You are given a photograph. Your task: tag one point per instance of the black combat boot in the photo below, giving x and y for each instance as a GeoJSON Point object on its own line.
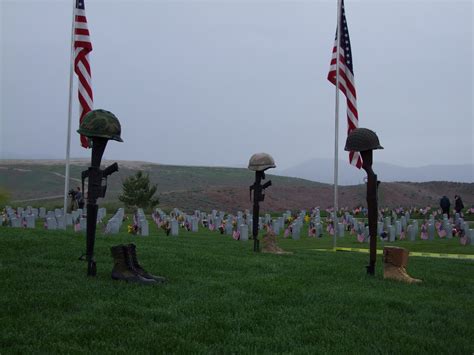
{"type": "Point", "coordinates": [123, 267]}
{"type": "Point", "coordinates": [132, 251]}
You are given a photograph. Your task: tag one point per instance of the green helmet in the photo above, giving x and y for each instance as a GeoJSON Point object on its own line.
{"type": "Point", "coordinates": [100, 123]}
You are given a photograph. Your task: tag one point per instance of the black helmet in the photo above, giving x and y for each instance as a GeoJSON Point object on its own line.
{"type": "Point", "coordinates": [361, 139]}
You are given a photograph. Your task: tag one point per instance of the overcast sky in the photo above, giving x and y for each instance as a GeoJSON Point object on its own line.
{"type": "Point", "coordinates": [212, 82]}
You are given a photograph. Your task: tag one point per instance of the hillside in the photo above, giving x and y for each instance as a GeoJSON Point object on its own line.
{"type": "Point", "coordinates": [190, 188]}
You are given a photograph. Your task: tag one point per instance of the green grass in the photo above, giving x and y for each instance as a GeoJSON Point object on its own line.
{"type": "Point", "coordinates": [224, 298]}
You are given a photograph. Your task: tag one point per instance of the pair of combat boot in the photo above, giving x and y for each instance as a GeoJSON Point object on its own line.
{"type": "Point", "coordinates": [127, 268]}
{"type": "Point", "coordinates": [395, 263]}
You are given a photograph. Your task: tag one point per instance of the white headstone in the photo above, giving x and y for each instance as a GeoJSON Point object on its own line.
{"type": "Point", "coordinates": [431, 231]}
{"type": "Point", "coordinates": [174, 227]}
{"type": "Point", "coordinates": [194, 224]}
{"type": "Point", "coordinates": [144, 228]}
{"type": "Point", "coordinates": [340, 230]}
{"type": "Point", "coordinates": [379, 228]}
{"type": "Point", "coordinates": [113, 226]}
{"type": "Point", "coordinates": [228, 226]}
{"type": "Point", "coordinates": [42, 212]}
{"type": "Point", "coordinates": [15, 222]}
{"type": "Point", "coordinates": [83, 223]}
{"type": "Point", "coordinates": [58, 213]}
{"type": "Point", "coordinates": [68, 219]}
{"type": "Point", "coordinates": [391, 233]}
{"type": "Point", "coordinates": [276, 227]}
{"type": "Point", "coordinates": [30, 221]}
{"type": "Point", "coordinates": [449, 230]}
{"type": "Point", "coordinates": [403, 221]}
{"type": "Point", "coordinates": [51, 223]}
{"type": "Point", "coordinates": [398, 228]}
{"type": "Point", "coordinates": [60, 222]}
{"type": "Point", "coordinates": [411, 233]}
{"type": "Point", "coordinates": [295, 233]}
{"type": "Point", "coordinates": [244, 232]}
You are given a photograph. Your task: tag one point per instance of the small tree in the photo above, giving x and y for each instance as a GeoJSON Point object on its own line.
{"type": "Point", "coordinates": [137, 192]}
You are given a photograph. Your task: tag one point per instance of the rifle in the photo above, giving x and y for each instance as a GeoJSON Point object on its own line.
{"type": "Point", "coordinates": [372, 205]}
{"type": "Point", "coordinates": [95, 190]}
{"type": "Point", "coordinates": [258, 195]}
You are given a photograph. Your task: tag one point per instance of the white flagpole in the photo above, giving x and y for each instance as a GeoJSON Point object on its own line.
{"type": "Point", "coordinates": [68, 135]}
{"type": "Point", "coordinates": [336, 125]}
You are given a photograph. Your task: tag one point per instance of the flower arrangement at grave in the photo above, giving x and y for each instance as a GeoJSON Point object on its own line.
{"type": "Point", "coordinates": [440, 229]}
{"type": "Point", "coordinates": [4, 218]}
{"type": "Point", "coordinates": [212, 227]}
{"type": "Point", "coordinates": [222, 228]}
{"type": "Point", "coordinates": [424, 231]}
{"type": "Point", "coordinates": [166, 227]}
{"type": "Point", "coordinates": [156, 218]}
{"type": "Point", "coordinates": [236, 234]}
{"type": "Point", "coordinates": [330, 226]}
{"type": "Point", "coordinates": [133, 229]}
{"type": "Point", "coordinates": [187, 226]}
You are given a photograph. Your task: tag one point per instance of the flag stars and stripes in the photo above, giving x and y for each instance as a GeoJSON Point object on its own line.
{"type": "Point", "coordinates": [346, 79]}
{"type": "Point", "coordinates": [82, 47]}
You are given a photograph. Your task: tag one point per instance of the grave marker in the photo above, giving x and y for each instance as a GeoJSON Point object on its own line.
{"type": "Point", "coordinates": [244, 232]}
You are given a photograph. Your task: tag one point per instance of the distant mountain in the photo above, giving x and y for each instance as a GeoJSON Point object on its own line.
{"type": "Point", "coordinates": [322, 170]}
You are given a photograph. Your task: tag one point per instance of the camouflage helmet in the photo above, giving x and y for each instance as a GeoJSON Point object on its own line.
{"type": "Point", "coordinates": [261, 162]}
{"type": "Point", "coordinates": [100, 123]}
{"type": "Point", "coordinates": [361, 139]}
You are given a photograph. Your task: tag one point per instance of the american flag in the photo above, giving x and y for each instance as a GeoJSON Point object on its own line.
{"type": "Point", "coordinates": [82, 47]}
{"type": "Point", "coordinates": [346, 80]}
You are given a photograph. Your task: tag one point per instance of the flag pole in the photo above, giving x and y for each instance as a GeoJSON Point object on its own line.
{"type": "Point", "coordinates": [336, 124]}
{"type": "Point", "coordinates": [68, 135]}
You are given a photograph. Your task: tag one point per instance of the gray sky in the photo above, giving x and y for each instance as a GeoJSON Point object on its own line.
{"type": "Point", "coordinates": [212, 82]}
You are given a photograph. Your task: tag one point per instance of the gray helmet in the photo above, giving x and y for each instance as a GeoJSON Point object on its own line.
{"type": "Point", "coordinates": [100, 123]}
{"type": "Point", "coordinates": [261, 162]}
{"type": "Point", "coordinates": [361, 139]}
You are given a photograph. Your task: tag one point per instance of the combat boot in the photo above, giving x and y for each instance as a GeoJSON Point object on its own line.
{"type": "Point", "coordinates": [123, 267]}
{"type": "Point", "coordinates": [395, 262]}
{"type": "Point", "coordinates": [132, 252]}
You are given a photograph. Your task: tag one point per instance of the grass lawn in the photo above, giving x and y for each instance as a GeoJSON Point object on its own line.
{"type": "Point", "coordinates": [224, 298]}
